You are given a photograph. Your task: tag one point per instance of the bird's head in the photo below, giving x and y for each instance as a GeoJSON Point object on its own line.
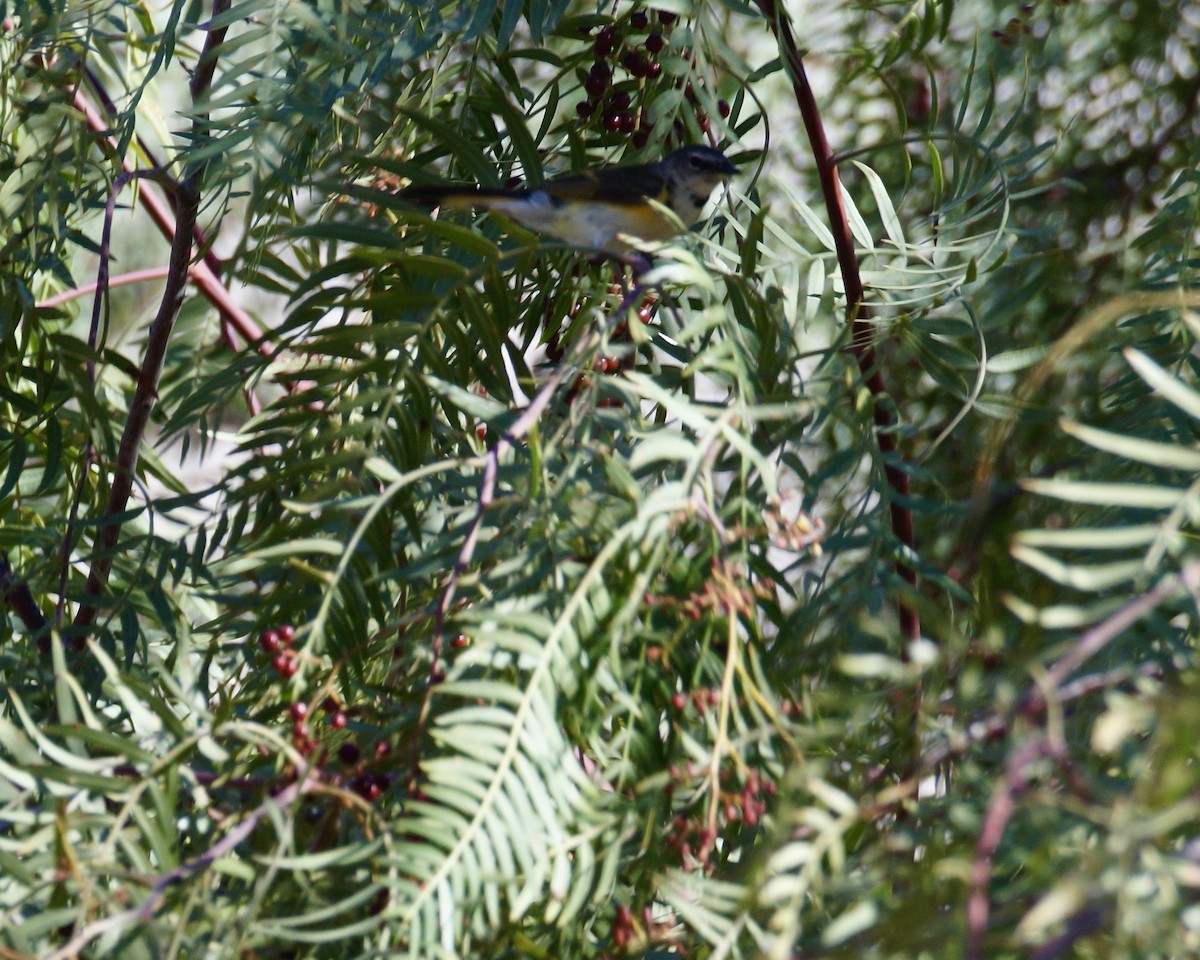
{"type": "Point", "coordinates": [704, 167]}
{"type": "Point", "coordinates": [691, 175]}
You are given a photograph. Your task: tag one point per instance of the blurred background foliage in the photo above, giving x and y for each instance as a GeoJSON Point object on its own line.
{"type": "Point", "coordinates": [662, 706]}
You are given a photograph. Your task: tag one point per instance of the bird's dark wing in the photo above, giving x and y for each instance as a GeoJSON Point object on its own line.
{"type": "Point", "coordinates": [620, 185]}
{"type": "Point", "coordinates": [455, 194]}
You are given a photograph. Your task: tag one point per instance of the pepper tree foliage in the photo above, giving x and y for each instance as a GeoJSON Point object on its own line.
{"type": "Point", "coordinates": [527, 608]}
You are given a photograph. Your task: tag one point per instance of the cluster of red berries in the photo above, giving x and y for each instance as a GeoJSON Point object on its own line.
{"type": "Point", "coordinates": [301, 714]}
{"type": "Point", "coordinates": [363, 775]}
{"type": "Point", "coordinates": [695, 840]}
{"type": "Point", "coordinates": [367, 782]}
{"type": "Point", "coordinates": [277, 643]}
{"type": "Point", "coordinates": [612, 45]}
{"type": "Point", "coordinates": [612, 99]}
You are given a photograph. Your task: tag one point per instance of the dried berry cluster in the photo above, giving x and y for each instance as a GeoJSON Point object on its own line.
{"type": "Point", "coordinates": [728, 591]}
{"type": "Point", "coordinates": [705, 698]}
{"type": "Point", "coordinates": [1020, 26]}
{"type": "Point", "coordinates": [632, 46]}
{"type": "Point", "coordinates": [695, 839]}
{"type": "Point", "coordinates": [636, 934]}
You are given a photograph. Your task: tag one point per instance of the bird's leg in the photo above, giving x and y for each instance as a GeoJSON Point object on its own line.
{"type": "Point", "coordinates": [639, 263]}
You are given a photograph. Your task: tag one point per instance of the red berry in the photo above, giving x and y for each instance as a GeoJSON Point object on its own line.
{"type": "Point", "coordinates": [666, 18]}
{"type": "Point", "coordinates": [290, 668]}
{"type": "Point", "coordinates": [641, 138]}
{"type": "Point", "coordinates": [620, 100]}
{"type": "Point", "coordinates": [382, 749]}
{"type": "Point", "coordinates": [638, 20]}
{"type": "Point", "coordinates": [348, 754]}
{"type": "Point", "coordinates": [338, 721]}
{"type": "Point", "coordinates": [655, 43]}
{"type": "Point", "coordinates": [585, 108]}
{"type": "Point", "coordinates": [299, 730]}
{"type": "Point", "coordinates": [281, 662]}
{"type": "Point", "coordinates": [595, 84]}
{"type": "Point", "coordinates": [653, 69]}
{"type": "Point", "coordinates": [679, 700]}
{"type": "Point", "coordinates": [689, 91]}
{"type": "Point", "coordinates": [287, 633]}
{"type": "Point", "coordinates": [723, 108]}
{"type": "Point", "coordinates": [605, 41]}
{"type": "Point", "coordinates": [614, 121]}
{"type": "Point", "coordinates": [299, 710]}
{"type": "Point", "coordinates": [635, 63]}
{"type": "Point", "coordinates": [270, 641]}
{"type": "Point", "coordinates": [461, 641]}
{"type": "Point", "coordinates": [373, 790]}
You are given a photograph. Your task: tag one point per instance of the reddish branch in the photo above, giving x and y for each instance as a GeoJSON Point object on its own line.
{"type": "Point", "coordinates": [121, 280]}
{"type": "Point", "coordinates": [124, 470]}
{"type": "Point", "coordinates": [862, 339]}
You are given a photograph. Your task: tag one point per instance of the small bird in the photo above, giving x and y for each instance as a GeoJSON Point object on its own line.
{"type": "Point", "coordinates": [595, 209]}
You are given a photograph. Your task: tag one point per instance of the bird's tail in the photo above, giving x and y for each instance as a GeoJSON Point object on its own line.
{"type": "Point", "coordinates": [457, 197]}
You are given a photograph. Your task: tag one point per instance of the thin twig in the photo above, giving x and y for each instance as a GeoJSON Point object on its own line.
{"type": "Point", "coordinates": [1078, 925]}
{"type": "Point", "coordinates": [18, 598]}
{"type": "Point", "coordinates": [121, 280]}
{"type": "Point", "coordinates": [209, 257]}
{"type": "Point", "coordinates": [521, 426]}
{"type": "Point", "coordinates": [1003, 801]}
{"type": "Point", "coordinates": [1098, 637]}
{"type": "Point", "coordinates": [999, 812]}
{"type": "Point", "coordinates": [99, 304]}
{"type": "Point", "coordinates": [144, 912]}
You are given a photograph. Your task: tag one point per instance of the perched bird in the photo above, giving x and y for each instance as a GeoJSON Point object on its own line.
{"type": "Point", "coordinates": [594, 209]}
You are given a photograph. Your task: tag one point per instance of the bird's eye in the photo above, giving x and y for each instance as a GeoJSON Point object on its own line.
{"type": "Point", "coordinates": [696, 162]}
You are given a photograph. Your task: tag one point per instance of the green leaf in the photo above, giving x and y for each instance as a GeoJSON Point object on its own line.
{"type": "Point", "coordinates": [1139, 496]}
{"type": "Point", "coordinates": [1172, 389]}
{"type": "Point", "coordinates": [1152, 452]}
